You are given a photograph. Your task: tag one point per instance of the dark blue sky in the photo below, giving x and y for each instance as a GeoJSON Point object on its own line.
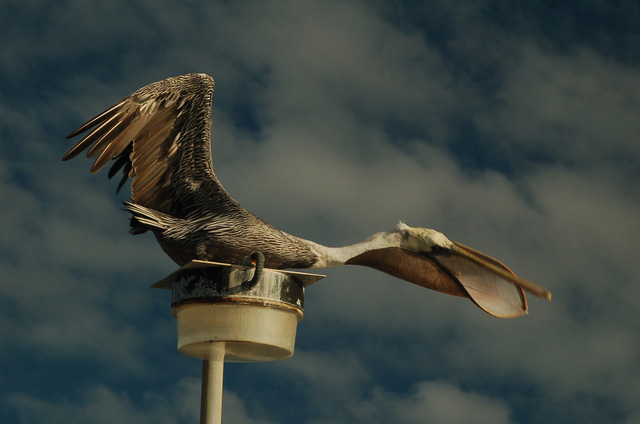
{"type": "Point", "coordinates": [512, 128]}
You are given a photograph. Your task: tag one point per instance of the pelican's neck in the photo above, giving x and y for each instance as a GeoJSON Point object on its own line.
{"type": "Point", "coordinates": [336, 256]}
{"type": "Point", "coordinates": [405, 237]}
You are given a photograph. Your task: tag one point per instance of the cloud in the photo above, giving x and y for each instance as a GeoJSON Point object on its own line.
{"type": "Point", "coordinates": [441, 402]}
{"type": "Point", "coordinates": [568, 107]}
{"type": "Point", "coordinates": [332, 120]}
{"type": "Point", "coordinates": [100, 404]}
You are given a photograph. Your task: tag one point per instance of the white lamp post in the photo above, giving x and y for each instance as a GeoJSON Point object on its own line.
{"type": "Point", "coordinates": [234, 313]}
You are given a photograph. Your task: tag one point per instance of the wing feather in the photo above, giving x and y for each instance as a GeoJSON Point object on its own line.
{"type": "Point", "coordinates": [145, 192]}
{"type": "Point", "coordinates": [104, 116]}
{"type": "Point", "coordinates": [122, 140]}
{"type": "Point", "coordinates": [154, 135]}
{"type": "Point", "coordinates": [105, 146]}
{"type": "Point", "coordinates": [103, 127]}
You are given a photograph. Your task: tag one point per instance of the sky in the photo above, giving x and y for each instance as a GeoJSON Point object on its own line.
{"type": "Point", "coordinates": [511, 127]}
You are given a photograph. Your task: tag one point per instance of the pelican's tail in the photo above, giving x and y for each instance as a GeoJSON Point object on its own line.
{"type": "Point", "coordinates": [144, 219]}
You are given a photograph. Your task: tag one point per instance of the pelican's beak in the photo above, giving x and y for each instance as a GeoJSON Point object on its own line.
{"type": "Point", "coordinates": [494, 266]}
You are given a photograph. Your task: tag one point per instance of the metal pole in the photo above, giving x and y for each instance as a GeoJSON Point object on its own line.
{"type": "Point", "coordinates": [211, 399]}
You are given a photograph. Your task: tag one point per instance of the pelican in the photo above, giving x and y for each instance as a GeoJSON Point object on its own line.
{"type": "Point", "coordinates": [160, 137]}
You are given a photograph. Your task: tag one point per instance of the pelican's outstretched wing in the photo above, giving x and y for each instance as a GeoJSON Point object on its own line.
{"type": "Point", "coordinates": [160, 136]}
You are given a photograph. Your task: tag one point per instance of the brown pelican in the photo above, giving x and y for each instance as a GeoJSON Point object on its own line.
{"type": "Point", "coordinates": [159, 136]}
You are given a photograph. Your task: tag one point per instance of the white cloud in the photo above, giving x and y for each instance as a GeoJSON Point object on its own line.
{"type": "Point", "coordinates": [338, 373]}
{"type": "Point", "coordinates": [442, 402]}
{"type": "Point", "coordinates": [577, 107]}
{"type": "Point", "coordinates": [102, 404]}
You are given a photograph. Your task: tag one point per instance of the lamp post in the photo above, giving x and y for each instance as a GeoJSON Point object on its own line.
{"type": "Point", "coordinates": [234, 313]}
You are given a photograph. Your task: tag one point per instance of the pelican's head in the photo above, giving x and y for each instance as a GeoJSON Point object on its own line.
{"type": "Point", "coordinates": [422, 239]}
